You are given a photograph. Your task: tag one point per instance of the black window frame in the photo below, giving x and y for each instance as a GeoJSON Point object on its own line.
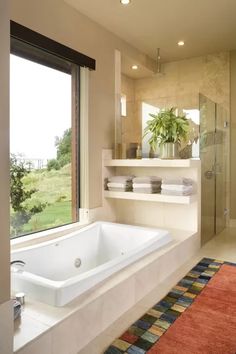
{"type": "Point", "coordinates": [46, 44]}
{"type": "Point", "coordinates": [35, 47]}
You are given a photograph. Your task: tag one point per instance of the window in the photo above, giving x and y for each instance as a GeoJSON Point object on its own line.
{"type": "Point", "coordinates": [123, 105]}
{"type": "Point", "coordinates": [44, 132]}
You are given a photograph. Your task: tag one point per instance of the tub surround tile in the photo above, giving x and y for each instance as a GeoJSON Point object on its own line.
{"type": "Point", "coordinates": [117, 301]}
{"type": "Point", "coordinates": [113, 331]}
{"type": "Point", "coordinates": [98, 345]}
{"type": "Point", "coordinates": [89, 322]}
{"type": "Point", "coordinates": [41, 345]}
{"type": "Point", "coordinates": [75, 325]}
{"type": "Point", "coordinates": [78, 329]}
{"type": "Point", "coordinates": [64, 336]}
{"type": "Point", "coordinates": [27, 329]}
{"type": "Point", "coordinates": [145, 280]}
{"type": "Point", "coordinates": [141, 307]}
{"type": "Point", "coordinates": [45, 314]}
{"type": "Point", "coordinates": [160, 268]}
{"type": "Point", "coordinates": [124, 322]}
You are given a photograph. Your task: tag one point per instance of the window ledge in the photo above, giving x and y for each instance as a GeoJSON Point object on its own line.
{"type": "Point", "coordinates": [46, 235]}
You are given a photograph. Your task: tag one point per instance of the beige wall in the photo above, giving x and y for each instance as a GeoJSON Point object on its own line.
{"type": "Point", "coordinates": [4, 153]}
{"type": "Point", "coordinates": [62, 23]}
{"type": "Point", "coordinates": [208, 75]}
{"type": "Point", "coordinates": [233, 136]}
{"type": "Point", "coordinates": [179, 86]}
{"type": "Point", "coordinates": [182, 81]}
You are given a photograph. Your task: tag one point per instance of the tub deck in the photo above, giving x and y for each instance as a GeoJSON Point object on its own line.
{"type": "Point", "coordinates": [56, 272]}
{"type": "Point", "coordinates": [83, 319]}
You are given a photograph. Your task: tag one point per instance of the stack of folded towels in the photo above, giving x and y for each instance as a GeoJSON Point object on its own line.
{"type": "Point", "coordinates": [150, 184]}
{"type": "Point", "coordinates": [177, 186]}
{"type": "Point", "coordinates": [120, 183]}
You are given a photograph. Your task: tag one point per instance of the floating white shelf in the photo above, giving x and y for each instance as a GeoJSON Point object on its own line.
{"type": "Point", "coordinates": [151, 197]}
{"type": "Point", "coordinates": [151, 163]}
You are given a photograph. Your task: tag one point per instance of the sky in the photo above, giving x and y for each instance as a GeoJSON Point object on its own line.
{"type": "Point", "coordinates": [40, 108]}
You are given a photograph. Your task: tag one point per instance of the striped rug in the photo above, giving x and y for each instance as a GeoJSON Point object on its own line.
{"type": "Point", "coordinates": [198, 316]}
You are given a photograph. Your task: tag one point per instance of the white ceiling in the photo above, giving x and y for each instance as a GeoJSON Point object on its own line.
{"type": "Point", "coordinates": [126, 68]}
{"type": "Point", "coordinates": [206, 26]}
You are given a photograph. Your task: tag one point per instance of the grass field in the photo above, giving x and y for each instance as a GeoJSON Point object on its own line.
{"type": "Point", "coordinates": [54, 188]}
{"type": "Point", "coordinates": [53, 215]}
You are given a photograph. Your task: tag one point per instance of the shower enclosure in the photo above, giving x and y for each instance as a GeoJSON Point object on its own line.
{"type": "Point", "coordinates": [213, 154]}
{"type": "Point", "coordinates": [209, 140]}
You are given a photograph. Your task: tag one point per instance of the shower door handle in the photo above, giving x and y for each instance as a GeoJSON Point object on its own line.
{"type": "Point", "coordinates": [209, 174]}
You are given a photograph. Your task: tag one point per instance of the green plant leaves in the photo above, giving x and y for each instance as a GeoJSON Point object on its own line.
{"type": "Point", "coordinates": [166, 127]}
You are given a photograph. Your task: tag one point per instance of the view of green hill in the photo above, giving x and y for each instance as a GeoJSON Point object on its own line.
{"type": "Point", "coordinates": [41, 198]}
{"type": "Point", "coordinates": [54, 188]}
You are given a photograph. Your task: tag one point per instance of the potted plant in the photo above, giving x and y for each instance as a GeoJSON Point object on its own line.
{"type": "Point", "coordinates": [167, 130]}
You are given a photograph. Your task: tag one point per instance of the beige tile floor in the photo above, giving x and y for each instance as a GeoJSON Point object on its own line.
{"type": "Point", "coordinates": [222, 246]}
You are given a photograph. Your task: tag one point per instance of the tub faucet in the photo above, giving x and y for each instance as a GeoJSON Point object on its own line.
{"type": "Point", "coordinates": [16, 265]}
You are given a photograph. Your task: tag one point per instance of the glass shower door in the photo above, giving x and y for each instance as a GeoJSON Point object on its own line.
{"type": "Point", "coordinates": [214, 161]}
{"type": "Point", "coordinates": [220, 168]}
{"type": "Point", "coordinates": [207, 155]}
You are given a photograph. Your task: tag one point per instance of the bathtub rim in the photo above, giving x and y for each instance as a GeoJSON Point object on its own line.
{"type": "Point", "coordinates": [58, 284]}
{"type": "Point", "coordinates": [80, 230]}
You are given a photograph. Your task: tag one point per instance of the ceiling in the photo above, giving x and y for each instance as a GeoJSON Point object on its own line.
{"type": "Point", "coordinates": [126, 68]}
{"type": "Point", "coordinates": [206, 26]}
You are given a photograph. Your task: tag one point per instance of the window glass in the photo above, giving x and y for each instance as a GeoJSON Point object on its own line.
{"type": "Point", "coordinates": [123, 104]}
{"type": "Point", "coordinates": [41, 141]}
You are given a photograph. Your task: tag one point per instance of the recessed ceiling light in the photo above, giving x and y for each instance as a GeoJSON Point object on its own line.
{"type": "Point", "coordinates": [135, 67]}
{"type": "Point", "coordinates": [125, 2]}
{"type": "Point", "coordinates": [180, 43]}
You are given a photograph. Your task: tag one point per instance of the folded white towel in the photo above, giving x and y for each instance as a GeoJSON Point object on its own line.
{"type": "Point", "coordinates": [146, 179]}
{"type": "Point", "coordinates": [183, 190]}
{"type": "Point", "coordinates": [176, 187]}
{"type": "Point", "coordinates": [146, 185]}
{"type": "Point", "coordinates": [119, 185]}
{"type": "Point", "coordinates": [119, 189]}
{"type": "Point", "coordinates": [179, 193]}
{"type": "Point", "coordinates": [178, 180]}
{"type": "Point", "coordinates": [120, 179]}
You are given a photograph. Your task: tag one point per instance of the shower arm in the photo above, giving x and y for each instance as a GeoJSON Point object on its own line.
{"type": "Point", "coordinates": [158, 61]}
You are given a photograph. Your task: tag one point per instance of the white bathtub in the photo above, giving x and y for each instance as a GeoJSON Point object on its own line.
{"type": "Point", "coordinates": [53, 273]}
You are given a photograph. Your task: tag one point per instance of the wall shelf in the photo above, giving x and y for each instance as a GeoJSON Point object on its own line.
{"type": "Point", "coordinates": [156, 210]}
{"type": "Point", "coordinates": [160, 198]}
{"type": "Point", "coordinates": [182, 163]}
